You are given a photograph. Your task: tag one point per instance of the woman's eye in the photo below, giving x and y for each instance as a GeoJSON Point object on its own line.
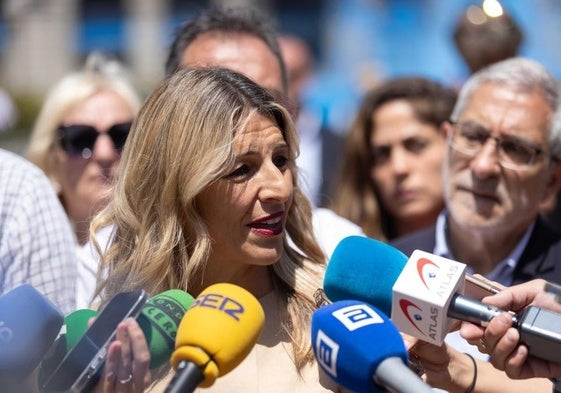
{"type": "Point", "coordinates": [239, 171]}
{"type": "Point", "coordinates": [415, 145]}
{"type": "Point", "coordinates": [381, 155]}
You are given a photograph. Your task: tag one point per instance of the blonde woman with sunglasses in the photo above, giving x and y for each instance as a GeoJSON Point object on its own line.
{"type": "Point", "coordinates": [79, 134]}
{"type": "Point", "coordinates": [77, 141]}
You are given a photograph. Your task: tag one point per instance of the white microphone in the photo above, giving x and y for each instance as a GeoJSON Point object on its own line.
{"type": "Point", "coordinates": [424, 292]}
{"type": "Point", "coordinates": [428, 295]}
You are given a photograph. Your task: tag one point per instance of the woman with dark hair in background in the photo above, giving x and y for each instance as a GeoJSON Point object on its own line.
{"type": "Point", "coordinates": [389, 181]}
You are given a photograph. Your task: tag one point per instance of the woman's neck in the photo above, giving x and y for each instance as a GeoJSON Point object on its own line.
{"type": "Point", "coordinates": [256, 279]}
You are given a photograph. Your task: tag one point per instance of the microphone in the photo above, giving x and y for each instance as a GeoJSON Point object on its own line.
{"type": "Point", "coordinates": [361, 349]}
{"type": "Point", "coordinates": [75, 350]}
{"type": "Point", "coordinates": [214, 336]}
{"type": "Point", "coordinates": [363, 269]}
{"type": "Point", "coordinates": [74, 326]}
{"type": "Point", "coordinates": [424, 292]}
{"type": "Point", "coordinates": [160, 319]}
{"type": "Point", "coordinates": [29, 324]}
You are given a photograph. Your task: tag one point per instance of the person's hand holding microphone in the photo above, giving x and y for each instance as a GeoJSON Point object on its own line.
{"type": "Point", "coordinates": [502, 341]}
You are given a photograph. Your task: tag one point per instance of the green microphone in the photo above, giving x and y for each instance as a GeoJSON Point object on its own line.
{"type": "Point", "coordinates": [73, 328]}
{"type": "Point", "coordinates": [75, 325]}
{"type": "Point", "coordinates": [159, 321]}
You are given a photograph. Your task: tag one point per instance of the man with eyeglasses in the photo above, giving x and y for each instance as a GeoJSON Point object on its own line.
{"type": "Point", "coordinates": [501, 168]}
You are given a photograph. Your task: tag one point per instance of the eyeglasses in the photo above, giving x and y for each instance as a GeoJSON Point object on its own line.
{"type": "Point", "coordinates": [469, 138]}
{"type": "Point", "coordinates": [79, 139]}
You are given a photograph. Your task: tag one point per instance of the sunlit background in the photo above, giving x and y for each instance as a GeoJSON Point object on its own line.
{"type": "Point", "coordinates": [356, 43]}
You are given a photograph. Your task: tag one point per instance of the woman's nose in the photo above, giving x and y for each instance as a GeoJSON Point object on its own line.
{"type": "Point", "coordinates": [104, 148]}
{"type": "Point", "coordinates": [277, 184]}
{"type": "Point", "coordinates": [399, 161]}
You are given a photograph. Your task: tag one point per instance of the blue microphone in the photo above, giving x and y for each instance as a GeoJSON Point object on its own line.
{"type": "Point", "coordinates": [363, 269]}
{"type": "Point", "coordinates": [29, 324]}
{"type": "Point", "coordinates": [361, 349]}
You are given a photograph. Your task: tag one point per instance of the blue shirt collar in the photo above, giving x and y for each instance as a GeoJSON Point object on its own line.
{"type": "Point", "coordinates": [503, 271]}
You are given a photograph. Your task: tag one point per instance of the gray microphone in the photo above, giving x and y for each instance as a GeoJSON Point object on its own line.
{"type": "Point", "coordinates": [540, 329]}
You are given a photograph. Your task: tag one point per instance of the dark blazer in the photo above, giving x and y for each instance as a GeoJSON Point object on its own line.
{"type": "Point", "coordinates": [331, 151]}
{"type": "Point", "coordinates": [541, 257]}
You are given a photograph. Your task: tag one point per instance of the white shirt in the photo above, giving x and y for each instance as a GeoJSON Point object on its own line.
{"type": "Point", "coordinates": [309, 161]}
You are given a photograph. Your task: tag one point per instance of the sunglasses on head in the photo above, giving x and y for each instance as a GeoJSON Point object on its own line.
{"type": "Point", "coordinates": [79, 139]}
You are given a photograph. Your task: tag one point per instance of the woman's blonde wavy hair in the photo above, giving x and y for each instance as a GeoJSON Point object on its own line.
{"type": "Point", "coordinates": [182, 142]}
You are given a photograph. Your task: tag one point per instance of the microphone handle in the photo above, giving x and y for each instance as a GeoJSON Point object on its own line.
{"type": "Point", "coordinates": [186, 379]}
{"type": "Point", "coordinates": [470, 310]}
{"type": "Point", "coordinates": [393, 374]}
{"type": "Point", "coordinates": [540, 331]}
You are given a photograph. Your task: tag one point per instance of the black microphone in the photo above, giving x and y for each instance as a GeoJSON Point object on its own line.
{"type": "Point", "coordinates": [75, 354]}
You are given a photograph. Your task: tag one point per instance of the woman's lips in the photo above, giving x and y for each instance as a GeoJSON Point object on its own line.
{"type": "Point", "coordinates": [268, 226]}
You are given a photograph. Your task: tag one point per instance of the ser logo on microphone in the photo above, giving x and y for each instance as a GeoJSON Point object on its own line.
{"type": "Point", "coordinates": [220, 302]}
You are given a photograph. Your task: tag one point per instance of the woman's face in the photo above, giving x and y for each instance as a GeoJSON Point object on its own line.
{"type": "Point", "coordinates": [85, 179]}
{"type": "Point", "coordinates": [246, 211]}
{"type": "Point", "coordinates": [408, 156]}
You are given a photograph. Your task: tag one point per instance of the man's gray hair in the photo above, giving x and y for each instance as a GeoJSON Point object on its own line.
{"type": "Point", "coordinates": [526, 76]}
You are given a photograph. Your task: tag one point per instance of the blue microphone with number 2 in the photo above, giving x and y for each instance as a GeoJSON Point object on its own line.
{"type": "Point", "coordinates": [361, 349]}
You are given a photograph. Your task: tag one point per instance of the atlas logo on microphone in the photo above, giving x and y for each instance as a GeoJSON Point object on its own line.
{"type": "Point", "coordinates": [422, 293]}
{"type": "Point", "coordinates": [414, 315]}
{"type": "Point", "coordinates": [435, 279]}
{"type": "Point", "coordinates": [424, 266]}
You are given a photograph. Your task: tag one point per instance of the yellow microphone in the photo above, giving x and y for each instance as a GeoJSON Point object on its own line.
{"type": "Point", "coordinates": [214, 336]}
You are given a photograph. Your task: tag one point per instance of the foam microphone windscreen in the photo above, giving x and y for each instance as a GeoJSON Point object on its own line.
{"type": "Point", "coordinates": [364, 269]}
{"type": "Point", "coordinates": [351, 339]}
{"type": "Point", "coordinates": [159, 320]}
{"type": "Point", "coordinates": [74, 326]}
{"type": "Point", "coordinates": [219, 330]}
{"type": "Point", "coordinates": [29, 324]}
